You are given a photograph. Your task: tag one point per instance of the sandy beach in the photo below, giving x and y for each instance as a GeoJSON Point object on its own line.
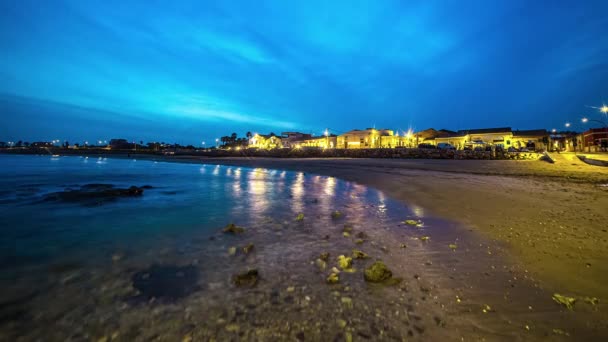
{"type": "Point", "coordinates": [551, 218]}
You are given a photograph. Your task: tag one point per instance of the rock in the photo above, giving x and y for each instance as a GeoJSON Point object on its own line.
{"type": "Point", "coordinates": [321, 264]}
{"type": "Point", "coordinates": [403, 245]}
{"type": "Point", "coordinates": [231, 251]}
{"type": "Point", "coordinates": [336, 215]}
{"type": "Point", "coordinates": [333, 278]}
{"type": "Point", "coordinates": [591, 300]}
{"type": "Point", "coordinates": [345, 262]}
{"type": "Point", "coordinates": [300, 217]}
{"type": "Point", "coordinates": [568, 302]}
{"type": "Point", "coordinates": [324, 256]}
{"type": "Point", "coordinates": [231, 228]}
{"type": "Point", "coordinates": [93, 194]}
{"type": "Point", "coordinates": [347, 301]}
{"type": "Point", "coordinates": [341, 323]}
{"type": "Point", "coordinates": [335, 270]}
{"type": "Point", "coordinates": [248, 248]}
{"type": "Point", "coordinates": [357, 254]}
{"type": "Point", "coordinates": [453, 246]}
{"type": "Point", "coordinates": [246, 279]}
{"type": "Point", "coordinates": [359, 241]}
{"type": "Point", "coordinates": [232, 327]}
{"type": "Point", "coordinates": [377, 273]}
{"type": "Point", "coordinates": [348, 228]}
{"type": "Point", "coordinates": [291, 289]}
{"type": "Point", "coordinates": [416, 223]}
{"type": "Point", "coordinates": [424, 238]}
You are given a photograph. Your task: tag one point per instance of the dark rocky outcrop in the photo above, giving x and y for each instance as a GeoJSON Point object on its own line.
{"type": "Point", "coordinates": [93, 194]}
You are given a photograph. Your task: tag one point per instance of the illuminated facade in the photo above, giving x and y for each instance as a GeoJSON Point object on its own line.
{"type": "Point", "coordinates": [367, 138]}
{"type": "Point", "coordinates": [265, 141]}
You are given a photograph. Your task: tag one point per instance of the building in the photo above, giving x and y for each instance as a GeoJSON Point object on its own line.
{"type": "Point", "coordinates": [505, 137]}
{"type": "Point", "coordinates": [532, 139]}
{"type": "Point", "coordinates": [266, 141]}
{"type": "Point", "coordinates": [329, 141]}
{"type": "Point", "coordinates": [366, 138]}
{"type": "Point", "coordinates": [594, 140]}
{"type": "Point", "coordinates": [292, 139]}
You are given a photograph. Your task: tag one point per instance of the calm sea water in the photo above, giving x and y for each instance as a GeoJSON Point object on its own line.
{"type": "Point", "coordinates": [158, 267]}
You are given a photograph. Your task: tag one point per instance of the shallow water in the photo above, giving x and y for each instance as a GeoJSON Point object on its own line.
{"type": "Point", "coordinates": [159, 267]}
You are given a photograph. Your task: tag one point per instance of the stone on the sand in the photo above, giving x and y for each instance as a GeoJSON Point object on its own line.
{"type": "Point", "coordinates": [345, 262]}
{"type": "Point", "coordinates": [300, 217]}
{"type": "Point", "coordinates": [321, 264]}
{"type": "Point", "coordinates": [248, 248]}
{"type": "Point", "coordinates": [357, 254]}
{"type": "Point", "coordinates": [348, 228]}
{"type": "Point", "coordinates": [333, 278]}
{"type": "Point", "coordinates": [336, 215]}
{"type": "Point", "coordinates": [232, 251]}
{"type": "Point", "coordinates": [377, 273]}
{"type": "Point", "coordinates": [246, 279]}
{"type": "Point", "coordinates": [324, 256]}
{"type": "Point", "coordinates": [568, 302]}
{"type": "Point", "coordinates": [231, 228]}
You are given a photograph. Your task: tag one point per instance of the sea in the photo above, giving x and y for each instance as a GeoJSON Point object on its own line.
{"type": "Point", "coordinates": [161, 265]}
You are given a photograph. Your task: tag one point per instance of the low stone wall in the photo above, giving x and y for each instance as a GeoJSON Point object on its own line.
{"type": "Point", "coordinates": [401, 153]}
{"type": "Point", "coordinates": [309, 152]}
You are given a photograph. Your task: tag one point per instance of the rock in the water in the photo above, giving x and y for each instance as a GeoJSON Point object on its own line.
{"type": "Point", "coordinates": [377, 273]}
{"type": "Point", "coordinates": [93, 194]}
{"type": "Point", "coordinates": [231, 228]}
{"type": "Point", "coordinates": [166, 283]}
{"type": "Point", "coordinates": [324, 256]}
{"type": "Point", "coordinates": [247, 279]}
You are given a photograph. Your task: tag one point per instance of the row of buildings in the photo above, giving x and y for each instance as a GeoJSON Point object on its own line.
{"type": "Point", "coordinates": [503, 137]}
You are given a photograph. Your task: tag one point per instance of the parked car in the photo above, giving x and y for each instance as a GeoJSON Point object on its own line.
{"type": "Point", "coordinates": [427, 146]}
{"type": "Point", "coordinates": [445, 146]}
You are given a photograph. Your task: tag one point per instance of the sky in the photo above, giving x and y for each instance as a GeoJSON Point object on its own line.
{"type": "Point", "coordinates": [192, 71]}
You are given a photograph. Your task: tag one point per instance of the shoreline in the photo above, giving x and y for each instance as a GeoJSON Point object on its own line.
{"type": "Point", "coordinates": [551, 219]}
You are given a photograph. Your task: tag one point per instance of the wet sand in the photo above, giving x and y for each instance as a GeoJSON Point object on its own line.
{"type": "Point", "coordinates": [553, 218]}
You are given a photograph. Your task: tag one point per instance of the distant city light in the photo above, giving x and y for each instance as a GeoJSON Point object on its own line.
{"type": "Point", "coordinates": [604, 109]}
{"type": "Point", "coordinates": [584, 120]}
{"type": "Point", "coordinates": [553, 130]}
{"type": "Point", "coordinates": [567, 124]}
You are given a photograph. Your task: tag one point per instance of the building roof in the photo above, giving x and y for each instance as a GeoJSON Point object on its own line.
{"type": "Point", "coordinates": [530, 133]}
{"type": "Point", "coordinates": [485, 130]}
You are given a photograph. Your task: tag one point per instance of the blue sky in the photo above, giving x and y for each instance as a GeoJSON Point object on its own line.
{"type": "Point", "coordinates": [188, 71]}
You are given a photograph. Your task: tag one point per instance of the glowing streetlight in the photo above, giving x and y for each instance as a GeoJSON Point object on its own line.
{"type": "Point", "coordinates": [553, 130]}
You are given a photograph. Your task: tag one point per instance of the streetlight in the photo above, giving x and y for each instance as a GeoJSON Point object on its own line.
{"type": "Point", "coordinates": [553, 130]}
